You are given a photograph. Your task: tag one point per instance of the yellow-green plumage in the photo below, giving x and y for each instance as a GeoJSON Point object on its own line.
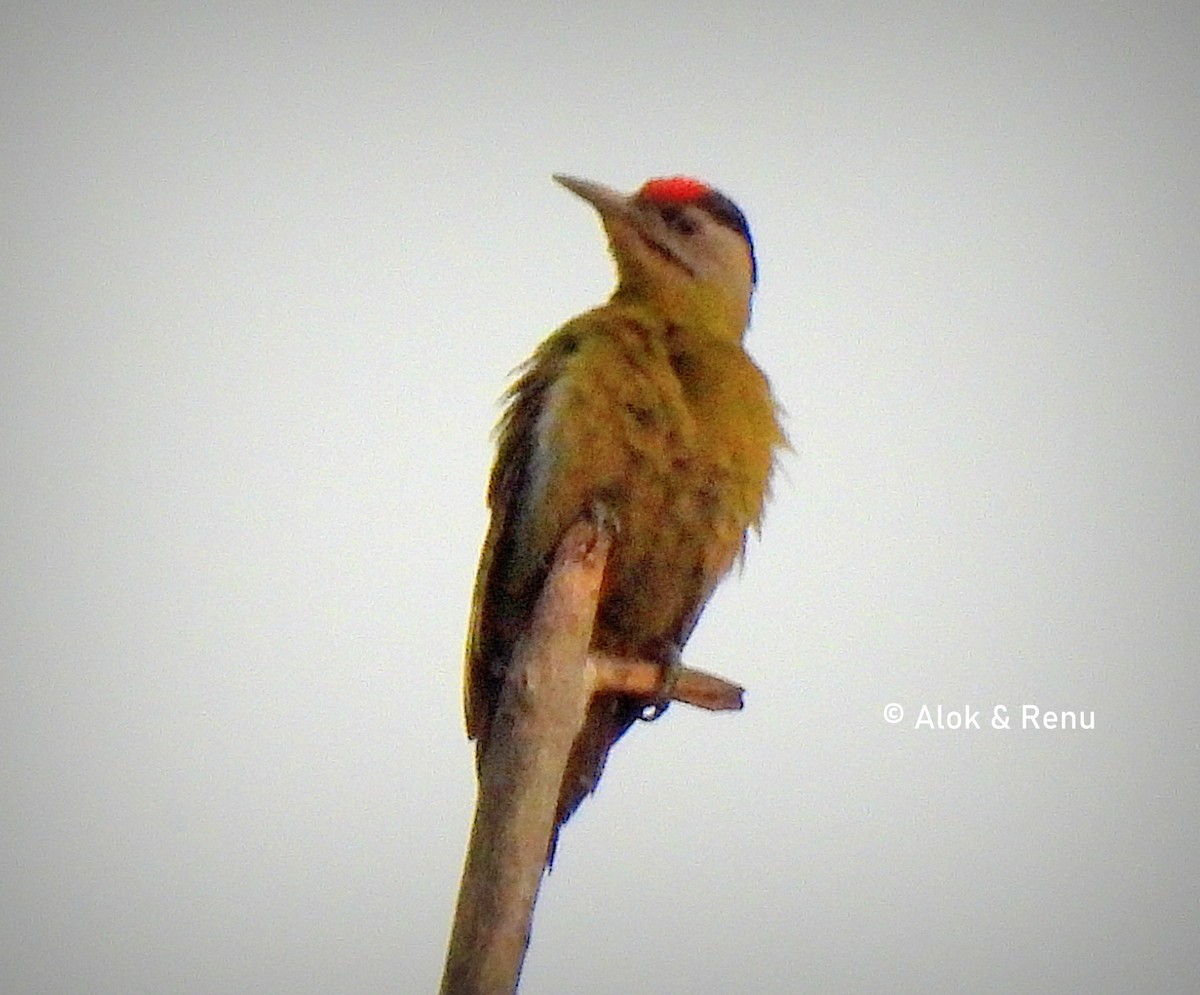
{"type": "Point", "coordinates": [650, 407]}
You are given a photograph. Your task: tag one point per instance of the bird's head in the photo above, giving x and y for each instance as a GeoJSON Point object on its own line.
{"type": "Point", "coordinates": [681, 245]}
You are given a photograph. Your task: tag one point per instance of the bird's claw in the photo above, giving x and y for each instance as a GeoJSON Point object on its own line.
{"type": "Point", "coordinates": [672, 667]}
{"type": "Point", "coordinates": [604, 517]}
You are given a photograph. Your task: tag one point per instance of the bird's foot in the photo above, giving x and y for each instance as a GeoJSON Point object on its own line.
{"type": "Point", "coordinates": [604, 516]}
{"type": "Point", "coordinates": [672, 667]}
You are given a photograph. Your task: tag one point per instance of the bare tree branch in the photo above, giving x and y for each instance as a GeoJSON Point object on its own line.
{"type": "Point", "coordinates": [542, 708]}
{"type": "Point", "coordinates": [644, 679]}
{"type": "Point", "coordinates": [548, 686]}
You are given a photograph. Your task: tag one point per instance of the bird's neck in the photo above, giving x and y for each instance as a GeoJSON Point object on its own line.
{"type": "Point", "coordinates": [700, 307]}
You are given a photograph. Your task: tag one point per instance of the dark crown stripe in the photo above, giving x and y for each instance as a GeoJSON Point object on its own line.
{"type": "Point", "coordinates": [726, 212]}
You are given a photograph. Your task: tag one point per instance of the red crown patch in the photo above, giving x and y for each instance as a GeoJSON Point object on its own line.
{"type": "Point", "coordinates": [673, 190]}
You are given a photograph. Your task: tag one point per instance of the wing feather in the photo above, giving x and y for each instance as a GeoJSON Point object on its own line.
{"type": "Point", "coordinates": [510, 573]}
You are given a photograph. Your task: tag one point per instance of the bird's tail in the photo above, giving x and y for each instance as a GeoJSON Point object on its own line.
{"type": "Point", "coordinates": [609, 718]}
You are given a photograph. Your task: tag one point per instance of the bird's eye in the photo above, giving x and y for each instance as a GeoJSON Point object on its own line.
{"type": "Point", "coordinates": [677, 219]}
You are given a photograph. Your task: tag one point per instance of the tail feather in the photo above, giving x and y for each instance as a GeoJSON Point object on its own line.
{"type": "Point", "coordinates": [608, 719]}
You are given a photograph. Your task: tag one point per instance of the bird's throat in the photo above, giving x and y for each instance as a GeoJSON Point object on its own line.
{"type": "Point", "coordinates": [698, 306]}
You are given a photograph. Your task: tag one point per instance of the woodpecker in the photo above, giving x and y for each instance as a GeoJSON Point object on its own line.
{"type": "Point", "coordinates": [649, 408]}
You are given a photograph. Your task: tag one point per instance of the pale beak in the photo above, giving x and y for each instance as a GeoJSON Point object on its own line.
{"type": "Point", "coordinates": [604, 199]}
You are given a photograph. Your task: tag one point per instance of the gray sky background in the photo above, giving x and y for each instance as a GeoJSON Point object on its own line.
{"type": "Point", "coordinates": [266, 271]}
